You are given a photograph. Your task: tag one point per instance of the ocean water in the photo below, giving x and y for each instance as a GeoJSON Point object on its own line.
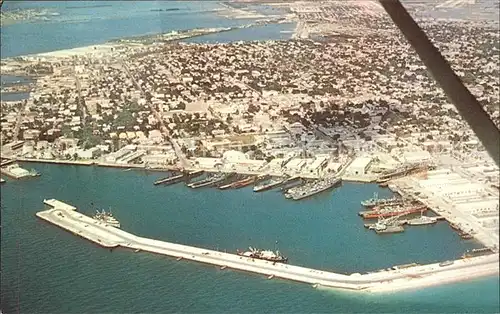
{"type": "Point", "coordinates": [264, 32]}
{"type": "Point", "coordinates": [75, 24]}
{"type": "Point", "coordinates": [5, 80]}
{"type": "Point", "coordinates": [48, 270]}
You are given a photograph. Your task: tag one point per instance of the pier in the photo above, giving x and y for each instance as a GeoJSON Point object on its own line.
{"type": "Point", "coordinates": [67, 218]}
{"type": "Point", "coordinates": [16, 172]}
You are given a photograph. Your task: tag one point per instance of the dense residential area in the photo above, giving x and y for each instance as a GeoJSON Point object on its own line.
{"type": "Point", "coordinates": [334, 97]}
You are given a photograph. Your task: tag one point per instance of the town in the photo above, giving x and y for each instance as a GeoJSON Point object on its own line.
{"type": "Point", "coordinates": [328, 103]}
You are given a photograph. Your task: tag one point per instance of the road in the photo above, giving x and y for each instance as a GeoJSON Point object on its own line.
{"type": "Point", "coordinates": [81, 106]}
{"type": "Point", "coordinates": [166, 133]}
{"type": "Point", "coordinates": [19, 119]}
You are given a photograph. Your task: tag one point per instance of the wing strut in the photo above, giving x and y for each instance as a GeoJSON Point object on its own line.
{"type": "Point", "coordinates": [467, 105]}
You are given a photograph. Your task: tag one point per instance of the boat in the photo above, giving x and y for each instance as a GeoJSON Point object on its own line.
{"type": "Point", "coordinates": [314, 188]}
{"type": "Point", "coordinates": [390, 229]}
{"type": "Point", "coordinates": [404, 266]}
{"type": "Point", "coordinates": [375, 201]}
{"type": "Point", "coordinates": [422, 220]}
{"type": "Point", "coordinates": [107, 218]}
{"type": "Point", "coordinates": [266, 255]}
{"type": "Point", "coordinates": [170, 180]}
{"type": "Point", "coordinates": [244, 182]}
{"type": "Point", "coordinates": [454, 226]}
{"type": "Point", "coordinates": [194, 174]}
{"type": "Point", "coordinates": [268, 185]}
{"type": "Point", "coordinates": [446, 263]}
{"type": "Point", "coordinates": [291, 183]}
{"type": "Point", "coordinates": [478, 252]}
{"type": "Point", "coordinates": [34, 173]}
{"type": "Point", "coordinates": [211, 180]}
{"type": "Point", "coordinates": [379, 226]}
{"type": "Point", "coordinates": [392, 211]}
{"type": "Point", "coordinates": [228, 181]}
{"type": "Point", "coordinates": [402, 171]}
{"type": "Point", "coordinates": [466, 236]}
{"type": "Point", "coordinates": [2, 180]}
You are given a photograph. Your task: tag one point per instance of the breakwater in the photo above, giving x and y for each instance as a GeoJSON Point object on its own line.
{"type": "Point", "coordinates": [386, 280]}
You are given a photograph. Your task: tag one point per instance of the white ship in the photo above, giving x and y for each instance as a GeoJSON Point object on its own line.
{"type": "Point", "coordinates": [422, 220]}
{"type": "Point", "coordinates": [107, 218]}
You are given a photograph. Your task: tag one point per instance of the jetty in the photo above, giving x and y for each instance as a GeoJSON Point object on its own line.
{"type": "Point", "coordinates": [16, 172]}
{"type": "Point", "coordinates": [67, 218]}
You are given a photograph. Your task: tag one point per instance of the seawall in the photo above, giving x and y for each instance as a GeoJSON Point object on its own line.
{"type": "Point", "coordinates": [387, 280]}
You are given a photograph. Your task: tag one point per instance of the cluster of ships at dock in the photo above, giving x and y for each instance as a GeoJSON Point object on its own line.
{"type": "Point", "coordinates": [392, 214]}
{"type": "Point", "coordinates": [403, 171]}
{"type": "Point", "coordinates": [294, 188]}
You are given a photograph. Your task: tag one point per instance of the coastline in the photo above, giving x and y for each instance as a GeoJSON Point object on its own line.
{"type": "Point", "coordinates": [114, 46]}
{"type": "Point", "coordinates": [225, 10]}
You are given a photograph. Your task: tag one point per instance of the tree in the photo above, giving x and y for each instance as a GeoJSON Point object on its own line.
{"type": "Point", "coordinates": [124, 118]}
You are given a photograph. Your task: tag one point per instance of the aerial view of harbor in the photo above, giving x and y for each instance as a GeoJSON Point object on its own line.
{"type": "Point", "coordinates": [245, 156]}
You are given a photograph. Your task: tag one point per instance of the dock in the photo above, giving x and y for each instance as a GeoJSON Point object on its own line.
{"type": "Point", "coordinates": [64, 217]}
{"type": "Point", "coordinates": [16, 172]}
{"type": "Point", "coordinates": [53, 203]}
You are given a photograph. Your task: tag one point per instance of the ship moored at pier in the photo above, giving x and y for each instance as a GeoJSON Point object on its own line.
{"type": "Point", "coordinates": [312, 188]}
{"type": "Point", "coordinates": [391, 211]}
{"type": "Point", "coordinates": [375, 201]}
{"type": "Point", "coordinates": [107, 218]}
{"type": "Point", "coordinates": [271, 184]}
{"type": "Point", "coordinates": [267, 255]}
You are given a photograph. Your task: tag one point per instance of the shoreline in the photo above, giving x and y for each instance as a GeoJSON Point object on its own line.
{"type": "Point", "coordinates": [96, 163]}
{"type": "Point", "coordinates": [225, 11]}
{"type": "Point", "coordinates": [394, 280]}
{"type": "Point", "coordinates": [114, 45]}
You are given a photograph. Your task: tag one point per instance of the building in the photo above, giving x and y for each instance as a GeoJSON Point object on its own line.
{"type": "Point", "coordinates": [90, 153]}
{"type": "Point", "coordinates": [359, 166]}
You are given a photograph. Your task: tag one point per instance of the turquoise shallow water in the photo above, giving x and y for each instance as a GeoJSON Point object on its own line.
{"type": "Point", "coordinates": [51, 271]}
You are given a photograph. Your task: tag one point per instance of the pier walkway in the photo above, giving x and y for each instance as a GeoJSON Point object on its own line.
{"type": "Point", "coordinates": [388, 280]}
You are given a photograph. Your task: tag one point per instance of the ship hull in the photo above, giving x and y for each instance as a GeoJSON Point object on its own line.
{"type": "Point", "coordinates": [278, 260]}
{"type": "Point", "coordinates": [391, 214]}
{"type": "Point", "coordinates": [421, 223]}
{"type": "Point", "coordinates": [243, 183]}
{"type": "Point", "coordinates": [326, 188]}
{"type": "Point", "coordinates": [267, 186]}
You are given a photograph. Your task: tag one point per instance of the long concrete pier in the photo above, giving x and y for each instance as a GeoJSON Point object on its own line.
{"type": "Point", "coordinates": [66, 217]}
